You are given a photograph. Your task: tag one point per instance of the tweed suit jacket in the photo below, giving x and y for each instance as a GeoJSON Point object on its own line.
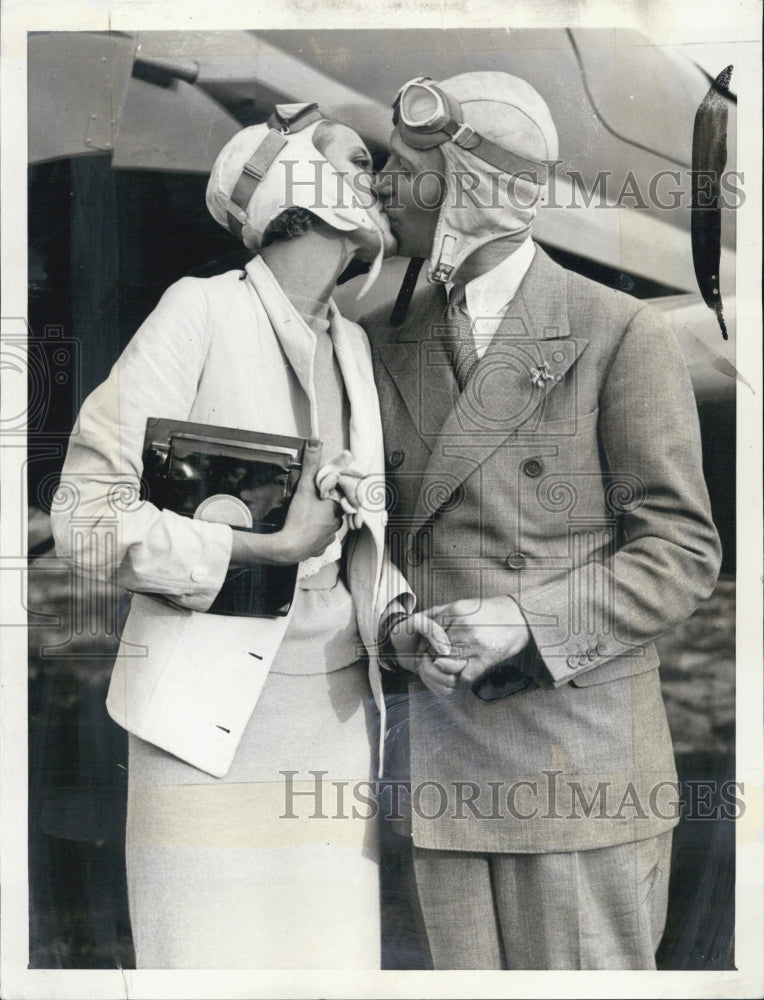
{"type": "Point", "coordinates": [567, 475]}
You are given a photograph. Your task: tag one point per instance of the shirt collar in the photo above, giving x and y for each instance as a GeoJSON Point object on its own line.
{"type": "Point", "coordinates": [490, 293]}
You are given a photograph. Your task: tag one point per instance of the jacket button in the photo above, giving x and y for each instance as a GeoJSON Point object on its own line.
{"type": "Point", "coordinates": [515, 560]}
{"type": "Point", "coordinates": [600, 649]}
{"type": "Point", "coordinates": [572, 662]}
{"type": "Point", "coordinates": [532, 467]}
{"type": "Point", "coordinates": [395, 459]}
{"type": "Point", "coordinates": [591, 654]}
{"type": "Point", "coordinates": [582, 659]}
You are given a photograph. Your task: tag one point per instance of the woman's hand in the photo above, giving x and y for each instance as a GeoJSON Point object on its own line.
{"type": "Point", "coordinates": [311, 523]}
{"type": "Point", "coordinates": [310, 526]}
{"type": "Point", "coordinates": [339, 480]}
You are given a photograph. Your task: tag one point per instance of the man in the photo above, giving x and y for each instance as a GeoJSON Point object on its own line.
{"type": "Point", "coordinates": [549, 509]}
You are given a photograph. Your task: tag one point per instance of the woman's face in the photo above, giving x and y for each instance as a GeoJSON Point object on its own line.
{"type": "Point", "coordinates": [347, 153]}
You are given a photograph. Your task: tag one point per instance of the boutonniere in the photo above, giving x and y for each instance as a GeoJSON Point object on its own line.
{"type": "Point", "coordinates": [541, 374]}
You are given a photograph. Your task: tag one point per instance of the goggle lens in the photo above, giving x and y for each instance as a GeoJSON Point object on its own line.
{"type": "Point", "coordinates": [421, 107]}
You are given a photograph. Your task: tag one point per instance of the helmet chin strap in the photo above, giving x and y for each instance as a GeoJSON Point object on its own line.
{"type": "Point", "coordinates": [375, 268]}
{"type": "Point", "coordinates": [406, 291]}
{"type": "Point", "coordinates": [444, 266]}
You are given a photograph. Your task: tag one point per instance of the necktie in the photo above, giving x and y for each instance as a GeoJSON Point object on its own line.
{"type": "Point", "coordinates": [457, 336]}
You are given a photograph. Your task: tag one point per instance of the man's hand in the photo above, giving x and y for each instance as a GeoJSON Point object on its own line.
{"type": "Point", "coordinates": [482, 633]}
{"type": "Point", "coordinates": [416, 641]}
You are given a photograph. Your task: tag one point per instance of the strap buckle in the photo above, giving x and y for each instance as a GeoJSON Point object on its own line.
{"type": "Point", "coordinates": [288, 118]}
{"type": "Point", "coordinates": [254, 171]}
{"type": "Point", "coordinates": [463, 134]}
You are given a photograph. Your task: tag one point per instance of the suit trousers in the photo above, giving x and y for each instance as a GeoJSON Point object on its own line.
{"type": "Point", "coordinates": [598, 909]}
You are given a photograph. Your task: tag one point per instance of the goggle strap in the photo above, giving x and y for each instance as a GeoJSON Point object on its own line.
{"type": "Point", "coordinates": [252, 173]}
{"type": "Point", "coordinates": [497, 156]}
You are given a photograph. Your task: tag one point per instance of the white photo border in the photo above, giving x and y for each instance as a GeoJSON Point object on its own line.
{"type": "Point", "coordinates": [678, 22]}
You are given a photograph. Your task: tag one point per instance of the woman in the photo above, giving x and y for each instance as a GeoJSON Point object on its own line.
{"type": "Point", "coordinates": [243, 853]}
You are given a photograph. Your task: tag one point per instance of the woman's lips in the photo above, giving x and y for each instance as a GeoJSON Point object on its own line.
{"type": "Point", "coordinates": [392, 215]}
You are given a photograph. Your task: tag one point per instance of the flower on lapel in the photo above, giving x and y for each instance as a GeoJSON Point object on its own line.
{"type": "Point", "coordinates": [541, 374]}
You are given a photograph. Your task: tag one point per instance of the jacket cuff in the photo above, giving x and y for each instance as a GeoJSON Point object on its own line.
{"type": "Point", "coordinates": [566, 655]}
{"type": "Point", "coordinates": [394, 614]}
{"type": "Point", "coordinates": [201, 578]}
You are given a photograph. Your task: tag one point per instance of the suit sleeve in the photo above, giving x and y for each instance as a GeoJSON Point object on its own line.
{"type": "Point", "coordinates": [667, 556]}
{"type": "Point", "coordinates": [101, 527]}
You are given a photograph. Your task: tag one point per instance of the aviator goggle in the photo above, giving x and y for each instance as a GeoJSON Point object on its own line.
{"type": "Point", "coordinates": [285, 120]}
{"type": "Point", "coordinates": [426, 117]}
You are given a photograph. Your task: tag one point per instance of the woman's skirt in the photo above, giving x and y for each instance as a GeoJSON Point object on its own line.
{"type": "Point", "coordinates": [275, 865]}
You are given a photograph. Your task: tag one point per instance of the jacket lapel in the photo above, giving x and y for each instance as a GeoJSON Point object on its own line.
{"type": "Point", "coordinates": [419, 366]}
{"type": "Point", "coordinates": [354, 358]}
{"type": "Point", "coordinates": [353, 353]}
{"type": "Point", "coordinates": [528, 357]}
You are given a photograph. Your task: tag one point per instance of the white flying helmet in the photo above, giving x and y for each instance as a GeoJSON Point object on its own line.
{"type": "Point", "coordinates": [493, 127]}
{"type": "Point", "coordinates": [265, 169]}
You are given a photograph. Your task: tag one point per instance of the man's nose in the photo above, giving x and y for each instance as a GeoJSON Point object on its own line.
{"type": "Point", "coordinates": [383, 184]}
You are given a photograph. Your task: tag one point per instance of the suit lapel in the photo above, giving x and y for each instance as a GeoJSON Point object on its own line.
{"type": "Point", "coordinates": [528, 357]}
{"type": "Point", "coordinates": [419, 366]}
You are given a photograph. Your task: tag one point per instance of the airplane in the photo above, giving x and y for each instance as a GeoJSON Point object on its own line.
{"type": "Point", "coordinates": [164, 103]}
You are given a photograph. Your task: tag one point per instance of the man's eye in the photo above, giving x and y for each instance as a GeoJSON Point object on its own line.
{"type": "Point", "coordinates": [364, 162]}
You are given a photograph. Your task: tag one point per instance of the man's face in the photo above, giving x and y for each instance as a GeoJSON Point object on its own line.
{"type": "Point", "coordinates": [411, 187]}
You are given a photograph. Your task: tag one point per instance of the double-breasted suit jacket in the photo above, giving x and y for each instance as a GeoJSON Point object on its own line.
{"type": "Point", "coordinates": [567, 475]}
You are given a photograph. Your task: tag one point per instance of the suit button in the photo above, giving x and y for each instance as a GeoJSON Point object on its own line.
{"type": "Point", "coordinates": [532, 467]}
{"type": "Point", "coordinates": [582, 659]}
{"type": "Point", "coordinates": [395, 459]}
{"type": "Point", "coordinates": [572, 662]}
{"type": "Point", "coordinates": [515, 560]}
{"type": "Point", "coordinates": [600, 649]}
{"type": "Point", "coordinates": [591, 654]}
